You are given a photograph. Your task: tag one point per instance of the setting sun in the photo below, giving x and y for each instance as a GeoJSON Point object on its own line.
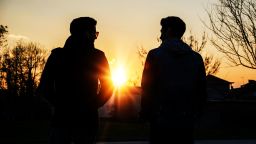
{"type": "Point", "coordinates": [118, 76]}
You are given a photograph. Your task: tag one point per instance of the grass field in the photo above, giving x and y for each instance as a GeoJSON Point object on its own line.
{"type": "Point", "coordinates": [111, 130]}
{"type": "Point", "coordinates": [36, 132]}
{"type": "Point", "coordinates": [28, 122]}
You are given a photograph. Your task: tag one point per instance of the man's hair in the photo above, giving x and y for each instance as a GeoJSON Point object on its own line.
{"type": "Point", "coordinates": [81, 24]}
{"type": "Point", "coordinates": [177, 25]}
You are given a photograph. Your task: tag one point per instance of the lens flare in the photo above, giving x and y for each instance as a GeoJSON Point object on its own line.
{"type": "Point", "coordinates": [118, 76]}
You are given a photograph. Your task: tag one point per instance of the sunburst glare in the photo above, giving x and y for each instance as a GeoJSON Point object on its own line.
{"type": "Point", "coordinates": [119, 76]}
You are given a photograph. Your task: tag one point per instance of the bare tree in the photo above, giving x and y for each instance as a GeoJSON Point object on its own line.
{"type": "Point", "coordinates": [233, 22]}
{"type": "Point", "coordinates": [211, 64]}
{"type": "Point", "coordinates": [3, 44]}
{"type": "Point", "coordinates": [142, 53]}
{"type": "Point", "coordinates": [3, 39]}
{"type": "Point", "coordinates": [21, 68]}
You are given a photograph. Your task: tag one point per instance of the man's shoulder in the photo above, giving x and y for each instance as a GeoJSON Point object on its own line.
{"type": "Point", "coordinates": [153, 51]}
{"type": "Point", "coordinates": [196, 55]}
{"type": "Point", "coordinates": [57, 50]}
{"type": "Point", "coordinates": [98, 51]}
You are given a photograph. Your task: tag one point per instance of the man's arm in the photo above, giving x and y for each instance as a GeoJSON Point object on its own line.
{"type": "Point", "coordinates": [106, 85]}
{"type": "Point", "coordinates": [46, 85]}
{"type": "Point", "coordinates": [201, 88]}
{"type": "Point", "coordinates": [147, 88]}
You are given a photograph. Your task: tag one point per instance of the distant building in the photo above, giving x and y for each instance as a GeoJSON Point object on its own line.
{"type": "Point", "coordinates": [217, 88]}
{"type": "Point", "coordinates": [246, 91]}
{"type": "Point", "coordinates": [249, 89]}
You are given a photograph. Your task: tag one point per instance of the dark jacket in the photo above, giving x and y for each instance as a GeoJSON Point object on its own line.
{"type": "Point", "coordinates": [76, 83]}
{"type": "Point", "coordinates": [173, 82]}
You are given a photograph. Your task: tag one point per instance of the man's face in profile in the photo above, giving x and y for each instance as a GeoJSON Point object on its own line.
{"type": "Point", "coordinates": [90, 35]}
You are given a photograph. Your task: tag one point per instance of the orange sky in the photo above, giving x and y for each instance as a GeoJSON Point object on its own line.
{"type": "Point", "coordinates": [123, 25]}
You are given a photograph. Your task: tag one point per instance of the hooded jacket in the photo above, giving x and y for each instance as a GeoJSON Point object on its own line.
{"type": "Point", "coordinates": [173, 81]}
{"type": "Point", "coordinates": [76, 81]}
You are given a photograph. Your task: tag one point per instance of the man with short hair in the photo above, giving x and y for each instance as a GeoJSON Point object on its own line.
{"type": "Point", "coordinates": [76, 80]}
{"type": "Point", "coordinates": [173, 86]}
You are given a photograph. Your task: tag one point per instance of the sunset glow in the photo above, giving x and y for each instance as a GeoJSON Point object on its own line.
{"type": "Point", "coordinates": [123, 25]}
{"type": "Point", "coordinates": [119, 76]}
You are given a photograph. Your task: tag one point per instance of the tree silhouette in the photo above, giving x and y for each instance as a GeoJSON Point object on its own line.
{"type": "Point", "coordinates": [21, 68]}
{"type": "Point", "coordinates": [3, 44]}
{"type": "Point", "coordinates": [3, 39]}
{"type": "Point", "coordinates": [233, 22]}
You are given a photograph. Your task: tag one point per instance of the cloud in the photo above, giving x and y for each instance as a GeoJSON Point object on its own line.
{"type": "Point", "coordinates": [13, 39]}
{"type": "Point", "coordinates": [17, 37]}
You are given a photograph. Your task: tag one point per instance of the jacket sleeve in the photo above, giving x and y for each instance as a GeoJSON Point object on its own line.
{"type": "Point", "coordinates": [201, 99]}
{"type": "Point", "coordinates": [46, 85]}
{"type": "Point", "coordinates": [147, 88]}
{"type": "Point", "coordinates": [106, 85]}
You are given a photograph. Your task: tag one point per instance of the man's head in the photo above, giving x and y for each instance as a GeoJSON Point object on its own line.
{"type": "Point", "coordinates": [172, 27]}
{"type": "Point", "coordinates": [84, 28]}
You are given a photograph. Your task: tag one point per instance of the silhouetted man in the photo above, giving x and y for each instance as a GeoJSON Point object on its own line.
{"type": "Point", "coordinates": [76, 81]}
{"type": "Point", "coordinates": [173, 86]}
